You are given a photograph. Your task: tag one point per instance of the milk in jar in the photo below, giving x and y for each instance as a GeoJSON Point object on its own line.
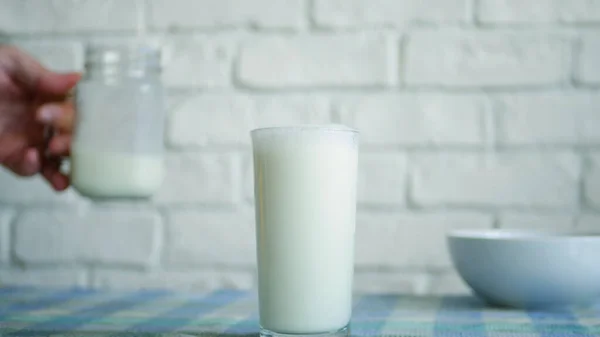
{"type": "Point", "coordinates": [117, 150]}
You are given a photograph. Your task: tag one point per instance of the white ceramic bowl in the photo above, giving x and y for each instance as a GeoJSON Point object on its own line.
{"type": "Point", "coordinates": [528, 269]}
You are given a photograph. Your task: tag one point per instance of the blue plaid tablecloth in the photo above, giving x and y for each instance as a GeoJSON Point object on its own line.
{"type": "Point", "coordinates": [76, 312]}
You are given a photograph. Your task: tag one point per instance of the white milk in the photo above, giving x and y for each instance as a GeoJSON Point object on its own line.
{"type": "Point", "coordinates": [106, 174]}
{"type": "Point", "coordinates": [305, 188]}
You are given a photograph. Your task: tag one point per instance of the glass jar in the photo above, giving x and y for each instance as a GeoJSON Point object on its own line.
{"type": "Point", "coordinates": [118, 141]}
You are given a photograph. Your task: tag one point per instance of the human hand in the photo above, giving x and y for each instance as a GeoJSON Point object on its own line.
{"type": "Point", "coordinates": [33, 102]}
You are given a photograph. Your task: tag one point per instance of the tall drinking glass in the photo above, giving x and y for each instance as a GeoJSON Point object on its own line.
{"type": "Point", "coordinates": [305, 192]}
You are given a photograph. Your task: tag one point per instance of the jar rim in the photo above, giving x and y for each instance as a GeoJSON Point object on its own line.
{"type": "Point", "coordinates": [119, 53]}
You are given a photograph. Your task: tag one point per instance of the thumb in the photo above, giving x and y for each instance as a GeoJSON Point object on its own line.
{"type": "Point", "coordinates": [55, 84]}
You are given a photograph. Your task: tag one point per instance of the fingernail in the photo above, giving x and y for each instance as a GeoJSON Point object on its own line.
{"type": "Point", "coordinates": [49, 113]}
{"type": "Point", "coordinates": [31, 163]}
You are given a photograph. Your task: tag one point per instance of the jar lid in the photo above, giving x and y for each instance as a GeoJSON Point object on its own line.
{"type": "Point", "coordinates": [123, 53]}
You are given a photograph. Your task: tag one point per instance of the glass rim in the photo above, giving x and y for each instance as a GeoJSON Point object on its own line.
{"type": "Point", "coordinates": [306, 127]}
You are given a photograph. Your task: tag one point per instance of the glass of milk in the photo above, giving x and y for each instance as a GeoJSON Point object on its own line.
{"type": "Point", "coordinates": [305, 192]}
{"type": "Point", "coordinates": [117, 149]}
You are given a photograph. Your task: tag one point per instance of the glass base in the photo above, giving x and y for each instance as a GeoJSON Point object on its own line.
{"type": "Point", "coordinates": [343, 332]}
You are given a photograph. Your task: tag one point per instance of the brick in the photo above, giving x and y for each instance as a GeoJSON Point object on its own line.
{"type": "Point", "coordinates": [448, 283]}
{"type": "Point", "coordinates": [106, 236]}
{"type": "Point", "coordinates": [565, 118]}
{"type": "Point", "coordinates": [173, 100]}
{"type": "Point", "coordinates": [580, 11]}
{"type": "Point", "coordinates": [176, 14]}
{"type": "Point", "coordinates": [416, 119]}
{"type": "Point", "coordinates": [194, 62]}
{"type": "Point", "coordinates": [588, 224]}
{"type": "Point", "coordinates": [536, 221]}
{"type": "Point", "coordinates": [369, 13]}
{"type": "Point", "coordinates": [541, 11]}
{"type": "Point", "coordinates": [317, 61]}
{"type": "Point", "coordinates": [43, 277]}
{"type": "Point", "coordinates": [32, 190]}
{"type": "Point", "coordinates": [408, 240]}
{"type": "Point", "coordinates": [190, 280]}
{"type": "Point", "coordinates": [501, 179]}
{"type": "Point", "coordinates": [512, 11]}
{"type": "Point", "coordinates": [6, 218]}
{"type": "Point", "coordinates": [587, 68]}
{"type": "Point", "coordinates": [198, 238]}
{"type": "Point", "coordinates": [206, 178]}
{"type": "Point", "coordinates": [61, 16]}
{"type": "Point", "coordinates": [592, 181]}
{"type": "Point", "coordinates": [211, 119]}
{"type": "Point", "coordinates": [382, 179]}
{"type": "Point", "coordinates": [227, 119]}
{"type": "Point", "coordinates": [390, 283]}
{"type": "Point", "coordinates": [57, 56]}
{"type": "Point", "coordinates": [488, 59]}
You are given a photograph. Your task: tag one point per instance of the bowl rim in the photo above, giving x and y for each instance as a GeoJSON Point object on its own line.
{"type": "Point", "coordinates": [500, 234]}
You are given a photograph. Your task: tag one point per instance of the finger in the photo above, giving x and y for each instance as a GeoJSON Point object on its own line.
{"type": "Point", "coordinates": [51, 172]}
{"type": "Point", "coordinates": [58, 115]}
{"type": "Point", "coordinates": [55, 84]}
{"type": "Point", "coordinates": [60, 146]}
{"type": "Point", "coordinates": [31, 162]}
{"type": "Point", "coordinates": [22, 67]}
{"type": "Point", "coordinates": [26, 164]}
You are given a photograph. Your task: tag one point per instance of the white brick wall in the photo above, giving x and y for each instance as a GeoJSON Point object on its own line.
{"type": "Point", "coordinates": [473, 114]}
{"type": "Point", "coordinates": [382, 179]}
{"type": "Point", "coordinates": [391, 282]}
{"type": "Point", "coordinates": [96, 236]}
{"type": "Point", "coordinates": [268, 14]}
{"type": "Point", "coordinates": [198, 62]}
{"type": "Point", "coordinates": [587, 69]}
{"type": "Point", "coordinates": [224, 119]}
{"type": "Point", "coordinates": [205, 178]}
{"type": "Point", "coordinates": [536, 221]}
{"type": "Point", "coordinates": [592, 181]}
{"type": "Point", "coordinates": [539, 11]}
{"type": "Point", "coordinates": [588, 224]}
{"type": "Point", "coordinates": [343, 60]}
{"type": "Point", "coordinates": [46, 277]}
{"type": "Point", "coordinates": [486, 59]}
{"type": "Point", "coordinates": [196, 238]}
{"type": "Point", "coordinates": [447, 283]}
{"type": "Point", "coordinates": [60, 56]}
{"type": "Point", "coordinates": [516, 179]}
{"type": "Point", "coordinates": [361, 13]}
{"type": "Point", "coordinates": [16, 190]}
{"type": "Point", "coordinates": [569, 118]}
{"type": "Point", "coordinates": [410, 240]}
{"type": "Point", "coordinates": [416, 119]}
{"type": "Point", "coordinates": [67, 16]}
{"type": "Point", "coordinates": [6, 217]}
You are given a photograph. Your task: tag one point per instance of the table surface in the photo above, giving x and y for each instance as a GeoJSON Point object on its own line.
{"type": "Point", "coordinates": [75, 312]}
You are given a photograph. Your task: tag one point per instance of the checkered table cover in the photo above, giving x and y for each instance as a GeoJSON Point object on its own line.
{"type": "Point", "coordinates": [76, 312]}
